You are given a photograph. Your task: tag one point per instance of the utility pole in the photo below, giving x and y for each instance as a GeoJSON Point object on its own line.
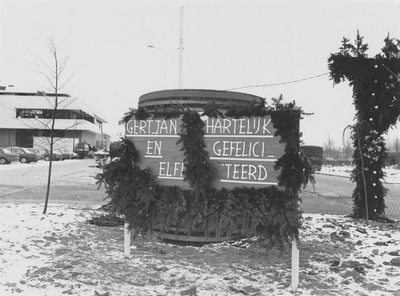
{"type": "Point", "coordinates": [165, 61]}
{"type": "Point", "coordinates": [180, 48]}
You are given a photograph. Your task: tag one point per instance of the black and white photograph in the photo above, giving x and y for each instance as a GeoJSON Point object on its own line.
{"type": "Point", "coordinates": [198, 147]}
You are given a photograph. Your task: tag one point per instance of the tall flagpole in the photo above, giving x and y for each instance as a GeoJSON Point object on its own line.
{"type": "Point", "coordinates": [181, 48]}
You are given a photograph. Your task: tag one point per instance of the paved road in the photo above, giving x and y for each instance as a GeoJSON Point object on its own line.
{"type": "Point", "coordinates": [72, 184]}
{"type": "Point", "coordinates": [342, 187]}
{"type": "Point", "coordinates": [17, 177]}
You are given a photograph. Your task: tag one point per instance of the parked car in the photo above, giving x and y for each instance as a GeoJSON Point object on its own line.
{"type": "Point", "coordinates": [116, 149]}
{"type": "Point", "coordinates": [101, 157]}
{"type": "Point", "coordinates": [74, 155]}
{"type": "Point", "coordinates": [56, 155]}
{"type": "Point", "coordinates": [82, 149]}
{"type": "Point", "coordinates": [6, 156]}
{"type": "Point", "coordinates": [25, 156]}
{"type": "Point", "coordinates": [39, 152]}
{"type": "Point", "coordinates": [101, 154]}
{"type": "Point", "coordinates": [68, 154]}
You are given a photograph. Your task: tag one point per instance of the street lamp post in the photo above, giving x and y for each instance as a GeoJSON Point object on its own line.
{"type": "Point", "coordinates": [165, 61]}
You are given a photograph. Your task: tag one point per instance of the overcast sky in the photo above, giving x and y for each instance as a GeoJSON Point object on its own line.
{"type": "Point", "coordinates": [227, 45]}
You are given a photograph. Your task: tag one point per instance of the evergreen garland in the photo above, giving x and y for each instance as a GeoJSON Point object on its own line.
{"type": "Point", "coordinates": [271, 212]}
{"type": "Point", "coordinates": [295, 172]}
{"type": "Point", "coordinates": [130, 188]}
{"type": "Point", "coordinates": [171, 209]}
{"type": "Point", "coordinates": [254, 108]}
{"type": "Point", "coordinates": [197, 169]}
{"type": "Point", "coordinates": [376, 97]}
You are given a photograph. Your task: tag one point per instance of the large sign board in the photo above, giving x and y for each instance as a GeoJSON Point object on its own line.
{"type": "Point", "coordinates": [243, 150]}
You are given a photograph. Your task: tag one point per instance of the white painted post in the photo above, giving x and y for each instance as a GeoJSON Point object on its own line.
{"type": "Point", "coordinates": [127, 239]}
{"type": "Point", "coordinates": [295, 266]}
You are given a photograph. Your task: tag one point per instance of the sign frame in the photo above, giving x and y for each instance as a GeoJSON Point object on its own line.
{"type": "Point", "coordinates": [243, 151]}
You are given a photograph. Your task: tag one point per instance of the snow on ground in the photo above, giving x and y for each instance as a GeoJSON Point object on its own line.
{"type": "Point", "coordinates": [392, 173]}
{"type": "Point", "coordinates": [62, 254]}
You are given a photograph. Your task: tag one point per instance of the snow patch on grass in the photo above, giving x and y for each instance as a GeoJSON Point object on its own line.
{"type": "Point", "coordinates": [61, 253]}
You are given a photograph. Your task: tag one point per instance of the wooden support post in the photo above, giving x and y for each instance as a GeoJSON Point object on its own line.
{"type": "Point", "coordinates": [295, 266]}
{"type": "Point", "coordinates": [127, 239]}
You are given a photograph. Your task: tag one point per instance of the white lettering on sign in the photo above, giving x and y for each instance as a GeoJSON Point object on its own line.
{"type": "Point", "coordinates": [153, 148]}
{"type": "Point", "coordinates": [242, 149]}
{"type": "Point", "coordinates": [151, 127]}
{"type": "Point", "coordinates": [245, 172]}
{"type": "Point", "coordinates": [170, 169]}
{"type": "Point", "coordinates": [265, 126]}
{"type": "Point", "coordinates": [242, 126]}
{"type": "Point", "coordinates": [239, 149]}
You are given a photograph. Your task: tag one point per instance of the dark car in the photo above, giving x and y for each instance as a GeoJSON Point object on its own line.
{"type": "Point", "coordinates": [56, 155]}
{"type": "Point", "coordinates": [6, 156]}
{"type": "Point", "coordinates": [116, 149]}
{"type": "Point", "coordinates": [25, 156]}
{"type": "Point", "coordinates": [83, 150]}
{"type": "Point", "coordinates": [39, 152]}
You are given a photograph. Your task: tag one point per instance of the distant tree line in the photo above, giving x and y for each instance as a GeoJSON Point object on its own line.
{"type": "Point", "coordinates": [334, 154]}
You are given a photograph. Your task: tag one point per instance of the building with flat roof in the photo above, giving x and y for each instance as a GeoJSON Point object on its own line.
{"type": "Point", "coordinates": [195, 99]}
{"type": "Point", "coordinates": [25, 120]}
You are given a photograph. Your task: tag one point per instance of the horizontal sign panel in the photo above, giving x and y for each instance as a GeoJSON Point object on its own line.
{"type": "Point", "coordinates": [243, 151]}
{"type": "Point", "coordinates": [163, 156]}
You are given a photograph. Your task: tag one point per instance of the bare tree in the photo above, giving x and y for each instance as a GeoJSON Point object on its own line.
{"type": "Point", "coordinates": [396, 151]}
{"type": "Point", "coordinates": [347, 146]}
{"type": "Point", "coordinates": [330, 151]}
{"type": "Point", "coordinates": [53, 74]}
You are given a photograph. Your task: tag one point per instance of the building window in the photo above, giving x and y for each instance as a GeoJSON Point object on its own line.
{"type": "Point", "coordinates": [60, 114]}
{"type": "Point", "coordinates": [28, 113]}
{"type": "Point", "coordinates": [47, 114]}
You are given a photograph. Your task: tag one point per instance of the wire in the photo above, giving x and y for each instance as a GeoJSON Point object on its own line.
{"type": "Point", "coordinates": [274, 84]}
{"type": "Point", "coordinates": [397, 76]}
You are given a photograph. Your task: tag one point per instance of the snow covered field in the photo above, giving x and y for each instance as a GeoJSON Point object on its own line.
{"type": "Point", "coordinates": [62, 254]}
{"type": "Point", "coordinates": [392, 173]}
